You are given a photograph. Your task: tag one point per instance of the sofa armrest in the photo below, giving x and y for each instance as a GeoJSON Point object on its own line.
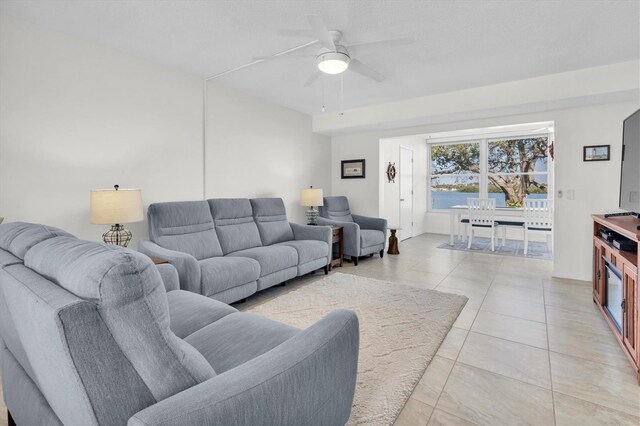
{"type": "Point", "coordinates": [310, 232]}
{"type": "Point", "coordinates": [367, 222]}
{"type": "Point", "coordinates": [350, 236]}
{"type": "Point", "coordinates": [186, 265]}
{"type": "Point", "coordinates": [309, 379]}
{"type": "Point", "coordinates": [169, 276]}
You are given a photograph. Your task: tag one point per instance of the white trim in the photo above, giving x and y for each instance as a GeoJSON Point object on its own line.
{"type": "Point", "coordinates": [531, 129]}
{"type": "Point", "coordinates": [204, 139]}
{"type": "Point", "coordinates": [412, 233]}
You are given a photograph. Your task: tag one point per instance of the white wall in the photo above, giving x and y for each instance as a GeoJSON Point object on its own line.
{"type": "Point", "coordinates": [75, 116]}
{"type": "Point", "coordinates": [390, 191]}
{"type": "Point", "coordinates": [258, 149]}
{"type": "Point", "coordinates": [596, 184]}
{"type": "Point", "coordinates": [363, 193]}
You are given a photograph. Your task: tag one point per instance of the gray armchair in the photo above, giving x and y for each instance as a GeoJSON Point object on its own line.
{"type": "Point", "coordinates": [362, 235]}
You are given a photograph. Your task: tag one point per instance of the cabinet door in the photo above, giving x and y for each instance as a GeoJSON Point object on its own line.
{"type": "Point", "coordinates": [598, 274]}
{"type": "Point", "coordinates": [630, 312]}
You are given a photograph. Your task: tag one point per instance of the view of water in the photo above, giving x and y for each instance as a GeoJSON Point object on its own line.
{"type": "Point", "coordinates": [446, 199]}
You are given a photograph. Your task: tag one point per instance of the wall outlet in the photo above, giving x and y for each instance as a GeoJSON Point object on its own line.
{"type": "Point", "coordinates": [634, 197]}
{"type": "Point", "coordinates": [571, 194]}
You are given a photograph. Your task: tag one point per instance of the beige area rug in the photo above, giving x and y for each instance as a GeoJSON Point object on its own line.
{"type": "Point", "coordinates": [401, 328]}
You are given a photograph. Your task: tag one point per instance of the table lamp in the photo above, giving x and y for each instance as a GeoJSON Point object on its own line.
{"type": "Point", "coordinates": [115, 207]}
{"type": "Point", "coordinates": [312, 198]}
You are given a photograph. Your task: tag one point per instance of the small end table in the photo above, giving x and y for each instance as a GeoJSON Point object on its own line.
{"type": "Point", "coordinates": [337, 237]}
{"type": "Point", "coordinates": [393, 240]}
{"type": "Point", "coordinates": [158, 261]}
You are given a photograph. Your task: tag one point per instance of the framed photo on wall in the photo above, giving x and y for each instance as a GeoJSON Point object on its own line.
{"type": "Point", "coordinates": [596, 153]}
{"type": "Point", "coordinates": [353, 169]}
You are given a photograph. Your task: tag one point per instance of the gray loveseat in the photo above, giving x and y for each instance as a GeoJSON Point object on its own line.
{"type": "Point", "coordinates": [88, 335]}
{"type": "Point", "coordinates": [228, 249]}
{"type": "Point", "coordinates": [363, 235]}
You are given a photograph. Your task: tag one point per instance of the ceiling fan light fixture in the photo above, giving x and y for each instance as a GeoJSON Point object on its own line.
{"type": "Point", "coordinates": [333, 62]}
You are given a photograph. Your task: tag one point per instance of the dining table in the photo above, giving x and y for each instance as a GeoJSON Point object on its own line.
{"type": "Point", "coordinates": [456, 212]}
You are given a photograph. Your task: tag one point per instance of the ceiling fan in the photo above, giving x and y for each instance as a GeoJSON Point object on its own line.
{"type": "Point", "coordinates": [335, 57]}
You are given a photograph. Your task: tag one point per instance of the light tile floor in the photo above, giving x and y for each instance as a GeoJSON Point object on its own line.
{"type": "Point", "coordinates": [526, 349]}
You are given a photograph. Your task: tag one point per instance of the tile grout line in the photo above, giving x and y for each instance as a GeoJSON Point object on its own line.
{"type": "Point", "coordinates": [502, 375]}
{"type": "Point", "coordinates": [596, 404]}
{"type": "Point", "coordinates": [546, 327]}
{"type": "Point", "coordinates": [455, 362]}
{"type": "Point", "coordinates": [434, 355]}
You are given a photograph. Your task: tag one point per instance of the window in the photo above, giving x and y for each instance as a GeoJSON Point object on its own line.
{"type": "Point", "coordinates": [507, 169]}
{"type": "Point", "coordinates": [517, 169]}
{"type": "Point", "coordinates": [455, 173]}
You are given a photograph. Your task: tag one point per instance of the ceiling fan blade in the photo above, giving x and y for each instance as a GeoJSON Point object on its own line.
{"type": "Point", "coordinates": [312, 78]}
{"type": "Point", "coordinates": [269, 58]}
{"type": "Point", "coordinates": [357, 66]}
{"type": "Point", "coordinates": [321, 32]}
{"type": "Point", "coordinates": [355, 49]}
{"type": "Point", "coordinates": [296, 33]}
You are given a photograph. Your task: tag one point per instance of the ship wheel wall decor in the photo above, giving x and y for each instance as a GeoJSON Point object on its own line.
{"type": "Point", "coordinates": [391, 172]}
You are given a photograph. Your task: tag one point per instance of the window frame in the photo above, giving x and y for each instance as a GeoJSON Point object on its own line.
{"type": "Point", "coordinates": [484, 140]}
{"type": "Point", "coordinates": [461, 141]}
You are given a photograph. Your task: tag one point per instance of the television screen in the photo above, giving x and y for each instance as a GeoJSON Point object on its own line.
{"type": "Point", "coordinates": [630, 175]}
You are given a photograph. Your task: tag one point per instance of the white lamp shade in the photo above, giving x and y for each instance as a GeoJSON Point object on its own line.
{"type": "Point", "coordinates": [110, 206]}
{"type": "Point", "coordinates": [311, 197]}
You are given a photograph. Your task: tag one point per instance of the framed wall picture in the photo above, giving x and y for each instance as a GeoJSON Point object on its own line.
{"type": "Point", "coordinates": [353, 169]}
{"type": "Point", "coordinates": [596, 153]}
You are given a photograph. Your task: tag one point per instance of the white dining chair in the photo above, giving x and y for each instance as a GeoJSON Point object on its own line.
{"type": "Point", "coordinates": [482, 214]}
{"type": "Point", "coordinates": [538, 218]}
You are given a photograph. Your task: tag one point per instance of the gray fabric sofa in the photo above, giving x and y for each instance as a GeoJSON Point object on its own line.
{"type": "Point", "coordinates": [89, 335]}
{"type": "Point", "coordinates": [228, 249]}
{"type": "Point", "coordinates": [362, 235]}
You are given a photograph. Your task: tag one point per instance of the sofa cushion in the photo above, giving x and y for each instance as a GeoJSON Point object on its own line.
{"type": "Point", "coordinates": [238, 338]}
{"type": "Point", "coordinates": [126, 289]}
{"type": "Point", "coordinates": [271, 218]}
{"type": "Point", "coordinates": [308, 250]}
{"type": "Point", "coordinates": [371, 237]}
{"type": "Point", "coordinates": [272, 258]}
{"type": "Point", "coordinates": [222, 273]}
{"type": "Point", "coordinates": [18, 237]}
{"type": "Point", "coordinates": [7, 258]}
{"type": "Point", "coordinates": [234, 223]}
{"type": "Point", "coordinates": [336, 208]}
{"type": "Point", "coordinates": [185, 226]}
{"type": "Point", "coordinates": [189, 312]}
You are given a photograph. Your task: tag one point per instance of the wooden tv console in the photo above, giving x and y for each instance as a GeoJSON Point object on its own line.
{"type": "Point", "coordinates": [626, 262]}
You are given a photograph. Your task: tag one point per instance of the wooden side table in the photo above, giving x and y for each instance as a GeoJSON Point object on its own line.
{"type": "Point", "coordinates": [337, 237]}
{"type": "Point", "coordinates": [393, 241]}
{"type": "Point", "coordinates": [158, 261]}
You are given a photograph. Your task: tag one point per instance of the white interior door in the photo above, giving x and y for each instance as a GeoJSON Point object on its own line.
{"type": "Point", "coordinates": [406, 193]}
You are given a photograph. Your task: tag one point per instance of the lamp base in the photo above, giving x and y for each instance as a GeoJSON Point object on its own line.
{"type": "Point", "coordinates": [117, 235]}
{"type": "Point", "coordinates": [312, 214]}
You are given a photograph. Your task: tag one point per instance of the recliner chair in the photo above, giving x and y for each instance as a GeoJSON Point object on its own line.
{"type": "Point", "coordinates": [362, 235]}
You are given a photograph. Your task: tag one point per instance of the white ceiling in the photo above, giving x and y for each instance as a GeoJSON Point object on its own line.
{"type": "Point", "coordinates": [459, 44]}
